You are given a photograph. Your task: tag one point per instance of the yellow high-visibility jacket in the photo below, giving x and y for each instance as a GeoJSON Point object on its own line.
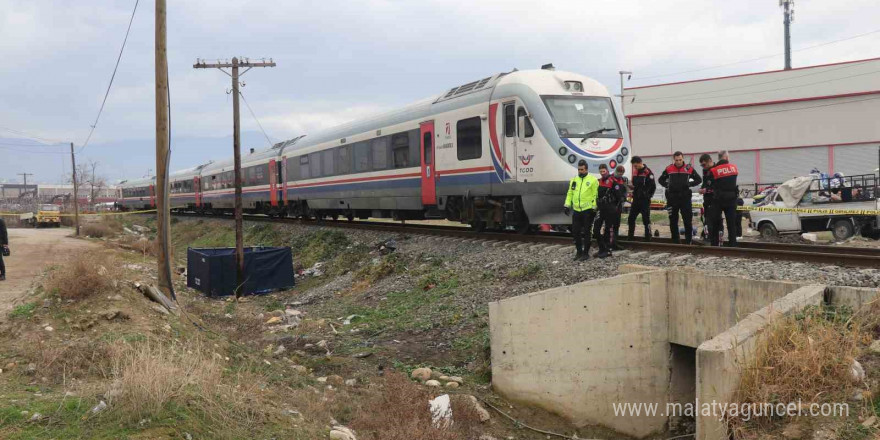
{"type": "Point", "coordinates": [582, 193]}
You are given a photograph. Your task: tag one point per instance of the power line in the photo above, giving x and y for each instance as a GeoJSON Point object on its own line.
{"type": "Point", "coordinates": [18, 144]}
{"type": "Point", "coordinates": [755, 59]}
{"type": "Point", "coordinates": [112, 77]}
{"type": "Point", "coordinates": [255, 118]}
{"type": "Point", "coordinates": [25, 150]}
{"type": "Point", "coordinates": [759, 113]}
{"type": "Point", "coordinates": [27, 135]}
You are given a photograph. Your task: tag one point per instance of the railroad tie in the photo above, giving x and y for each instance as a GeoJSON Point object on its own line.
{"type": "Point", "coordinates": [658, 257]}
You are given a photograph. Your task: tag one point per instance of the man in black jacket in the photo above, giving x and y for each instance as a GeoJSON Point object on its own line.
{"type": "Point", "coordinates": [725, 192]}
{"type": "Point", "coordinates": [643, 187]}
{"type": "Point", "coordinates": [4, 244]}
{"type": "Point", "coordinates": [678, 178]}
{"type": "Point", "coordinates": [608, 201]}
{"type": "Point", "coordinates": [708, 198]}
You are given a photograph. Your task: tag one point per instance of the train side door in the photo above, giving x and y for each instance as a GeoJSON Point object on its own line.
{"type": "Point", "coordinates": [197, 188]}
{"type": "Point", "coordinates": [509, 136]}
{"type": "Point", "coordinates": [152, 196]}
{"type": "Point", "coordinates": [284, 179]}
{"type": "Point", "coordinates": [429, 170]}
{"type": "Point", "coordinates": [273, 177]}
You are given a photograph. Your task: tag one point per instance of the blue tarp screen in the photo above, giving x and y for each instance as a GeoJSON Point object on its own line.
{"type": "Point", "coordinates": [212, 270]}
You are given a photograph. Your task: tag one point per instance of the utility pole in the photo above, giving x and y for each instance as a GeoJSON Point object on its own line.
{"type": "Point", "coordinates": [75, 190]}
{"type": "Point", "coordinates": [788, 13]}
{"type": "Point", "coordinates": [236, 146]}
{"type": "Point", "coordinates": [623, 99]}
{"type": "Point", "coordinates": [163, 220]}
{"type": "Point", "coordinates": [25, 184]}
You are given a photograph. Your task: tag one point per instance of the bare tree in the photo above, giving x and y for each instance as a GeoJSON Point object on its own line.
{"type": "Point", "coordinates": [87, 176]}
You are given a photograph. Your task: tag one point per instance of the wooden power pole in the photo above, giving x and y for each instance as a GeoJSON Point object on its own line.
{"type": "Point", "coordinates": [236, 146]}
{"type": "Point", "coordinates": [75, 190]}
{"type": "Point", "coordinates": [163, 220]}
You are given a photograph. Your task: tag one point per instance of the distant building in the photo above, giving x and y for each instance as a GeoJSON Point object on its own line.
{"type": "Point", "coordinates": [48, 193]}
{"type": "Point", "coordinates": [776, 124]}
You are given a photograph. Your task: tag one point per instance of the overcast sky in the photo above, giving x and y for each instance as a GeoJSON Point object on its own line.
{"type": "Point", "coordinates": [340, 60]}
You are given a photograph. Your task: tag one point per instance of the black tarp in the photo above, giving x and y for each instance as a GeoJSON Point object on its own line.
{"type": "Point", "coordinates": [212, 270]}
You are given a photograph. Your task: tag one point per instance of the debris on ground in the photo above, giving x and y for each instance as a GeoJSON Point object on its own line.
{"type": "Point", "coordinates": [441, 411]}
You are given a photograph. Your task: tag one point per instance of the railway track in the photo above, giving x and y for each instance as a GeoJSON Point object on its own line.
{"type": "Point", "coordinates": [819, 254]}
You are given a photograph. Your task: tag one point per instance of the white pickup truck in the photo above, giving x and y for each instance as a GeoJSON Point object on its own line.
{"type": "Point", "coordinates": [845, 207]}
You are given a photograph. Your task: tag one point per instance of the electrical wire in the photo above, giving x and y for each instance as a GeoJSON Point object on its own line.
{"type": "Point", "coordinates": [759, 113]}
{"type": "Point", "coordinates": [15, 148]}
{"type": "Point", "coordinates": [255, 117]}
{"type": "Point", "coordinates": [112, 77]}
{"type": "Point", "coordinates": [27, 135]}
{"type": "Point", "coordinates": [755, 59]}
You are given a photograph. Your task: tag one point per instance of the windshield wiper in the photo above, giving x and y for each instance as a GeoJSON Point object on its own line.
{"type": "Point", "coordinates": [595, 132]}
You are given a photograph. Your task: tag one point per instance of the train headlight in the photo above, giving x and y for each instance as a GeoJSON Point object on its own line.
{"type": "Point", "coordinates": [563, 151]}
{"type": "Point", "coordinates": [624, 151]}
{"type": "Point", "coordinates": [571, 158]}
{"type": "Point", "coordinates": [574, 86]}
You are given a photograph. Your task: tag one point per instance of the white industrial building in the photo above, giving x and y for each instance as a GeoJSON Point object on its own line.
{"type": "Point", "coordinates": [777, 124]}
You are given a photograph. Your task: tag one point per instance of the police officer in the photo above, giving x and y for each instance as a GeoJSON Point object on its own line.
{"type": "Point", "coordinates": [608, 202]}
{"type": "Point", "coordinates": [581, 198]}
{"type": "Point", "coordinates": [624, 183]}
{"type": "Point", "coordinates": [678, 178]}
{"type": "Point", "coordinates": [725, 192]}
{"type": "Point", "coordinates": [4, 247]}
{"type": "Point", "coordinates": [643, 187]}
{"type": "Point", "coordinates": [707, 163]}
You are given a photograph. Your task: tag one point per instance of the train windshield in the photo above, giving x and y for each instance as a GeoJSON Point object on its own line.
{"type": "Point", "coordinates": [583, 116]}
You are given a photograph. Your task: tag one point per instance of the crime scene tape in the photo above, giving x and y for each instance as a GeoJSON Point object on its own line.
{"type": "Point", "coordinates": [829, 211]}
{"type": "Point", "coordinates": [91, 213]}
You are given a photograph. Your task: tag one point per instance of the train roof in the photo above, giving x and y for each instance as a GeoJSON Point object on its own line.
{"type": "Point", "coordinates": [465, 95]}
{"type": "Point", "coordinates": [189, 172]}
{"type": "Point", "coordinates": [134, 183]}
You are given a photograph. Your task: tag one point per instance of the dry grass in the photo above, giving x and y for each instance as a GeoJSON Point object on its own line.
{"type": "Point", "coordinates": [404, 414]}
{"type": "Point", "coordinates": [108, 226]}
{"type": "Point", "coordinates": [84, 275]}
{"type": "Point", "coordinates": [149, 375]}
{"type": "Point", "coordinates": [804, 358]}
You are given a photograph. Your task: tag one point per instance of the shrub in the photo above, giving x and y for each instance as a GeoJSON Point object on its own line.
{"type": "Point", "coordinates": [82, 276]}
{"type": "Point", "coordinates": [404, 414]}
{"type": "Point", "coordinates": [806, 357]}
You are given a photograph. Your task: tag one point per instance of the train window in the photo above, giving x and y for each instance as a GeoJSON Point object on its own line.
{"type": "Point", "coordinates": [327, 163]}
{"type": "Point", "coordinates": [428, 149]}
{"type": "Point", "coordinates": [509, 120]}
{"type": "Point", "coordinates": [304, 167]}
{"type": "Point", "coordinates": [470, 139]}
{"type": "Point", "coordinates": [530, 131]}
{"type": "Point", "coordinates": [315, 164]}
{"type": "Point", "coordinates": [293, 171]}
{"type": "Point", "coordinates": [343, 159]}
{"type": "Point", "coordinates": [361, 157]}
{"type": "Point", "coordinates": [261, 174]}
{"type": "Point", "coordinates": [400, 150]}
{"type": "Point", "coordinates": [380, 153]}
{"type": "Point", "coordinates": [415, 159]}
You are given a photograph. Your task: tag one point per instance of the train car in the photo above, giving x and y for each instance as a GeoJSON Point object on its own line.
{"type": "Point", "coordinates": [138, 194]}
{"type": "Point", "coordinates": [494, 153]}
{"type": "Point", "coordinates": [260, 177]}
{"type": "Point", "coordinates": [186, 189]}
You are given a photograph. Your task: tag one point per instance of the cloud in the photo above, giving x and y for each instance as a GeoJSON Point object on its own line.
{"type": "Point", "coordinates": [340, 60]}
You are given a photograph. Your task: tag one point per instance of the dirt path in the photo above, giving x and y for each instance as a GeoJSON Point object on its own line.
{"type": "Point", "coordinates": [32, 250]}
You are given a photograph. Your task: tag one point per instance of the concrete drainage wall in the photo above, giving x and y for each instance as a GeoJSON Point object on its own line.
{"type": "Point", "coordinates": [577, 350]}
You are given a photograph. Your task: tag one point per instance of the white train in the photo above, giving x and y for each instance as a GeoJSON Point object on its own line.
{"type": "Point", "coordinates": [495, 153]}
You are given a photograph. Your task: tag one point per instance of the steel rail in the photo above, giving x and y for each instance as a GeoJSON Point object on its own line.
{"type": "Point", "coordinates": [819, 254]}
